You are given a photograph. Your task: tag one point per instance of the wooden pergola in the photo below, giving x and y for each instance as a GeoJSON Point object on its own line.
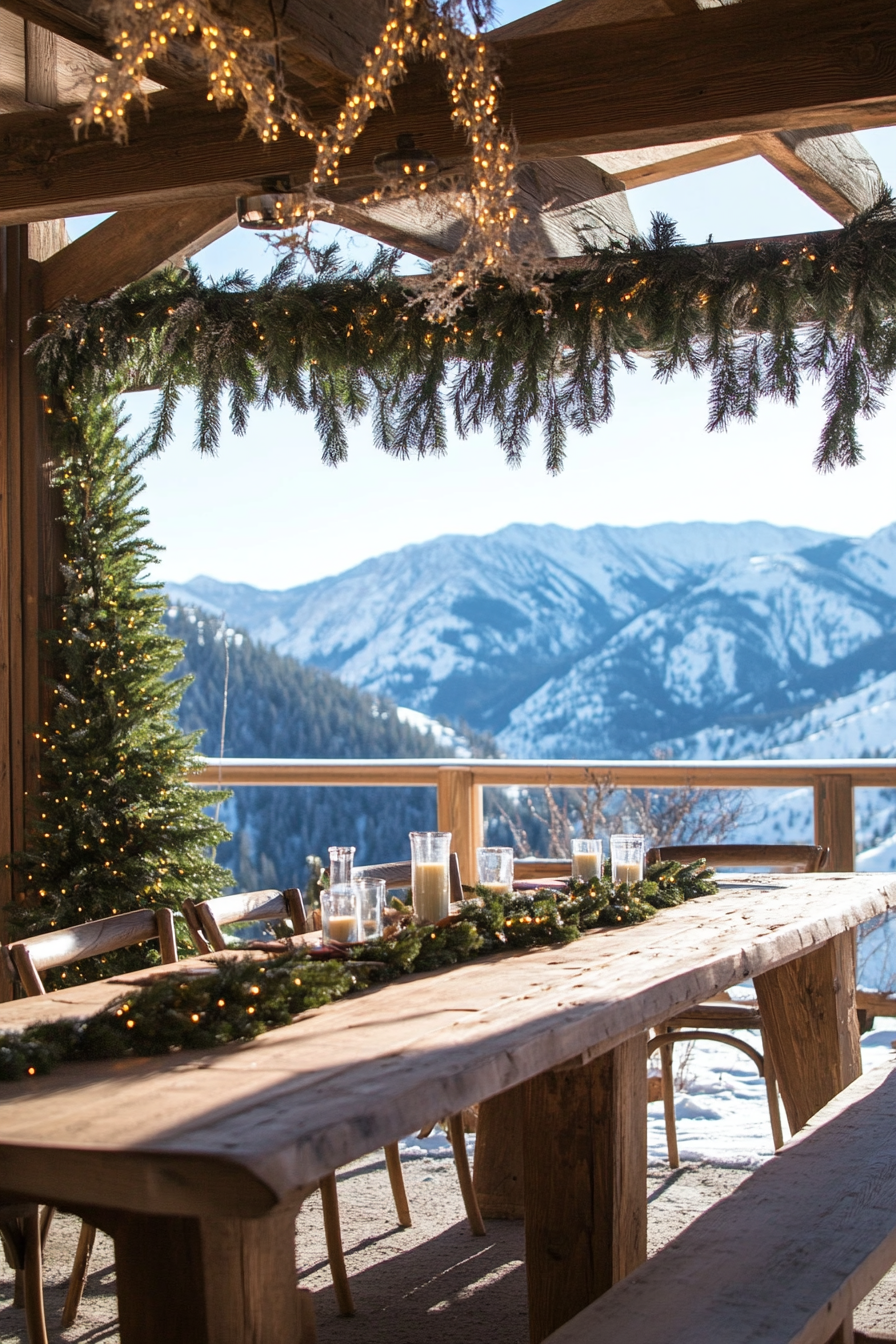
{"type": "Point", "coordinates": [603, 95]}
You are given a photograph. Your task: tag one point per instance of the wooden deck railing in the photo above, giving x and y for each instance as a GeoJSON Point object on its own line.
{"type": "Point", "coordinates": [459, 785]}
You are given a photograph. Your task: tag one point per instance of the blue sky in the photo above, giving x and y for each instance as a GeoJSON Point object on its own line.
{"type": "Point", "coordinates": [267, 512]}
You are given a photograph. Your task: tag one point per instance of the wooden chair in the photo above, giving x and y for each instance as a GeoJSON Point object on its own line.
{"type": "Point", "coordinates": [24, 961]}
{"type": "Point", "coordinates": [207, 920]}
{"type": "Point", "coordinates": [23, 1232]}
{"type": "Point", "coordinates": [398, 875]}
{"type": "Point", "coordinates": [713, 1021]}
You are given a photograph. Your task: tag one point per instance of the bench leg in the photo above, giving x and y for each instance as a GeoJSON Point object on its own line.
{"type": "Point", "coordinates": [498, 1165]}
{"type": "Point", "coordinates": [585, 1159]}
{"type": "Point", "coordinates": [208, 1280]}
{"type": "Point", "coordinates": [808, 1009]}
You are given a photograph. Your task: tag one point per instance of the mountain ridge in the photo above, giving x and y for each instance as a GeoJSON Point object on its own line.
{"type": "Point", "coordinates": [608, 642]}
{"type": "Point", "coordinates": [470, 627]}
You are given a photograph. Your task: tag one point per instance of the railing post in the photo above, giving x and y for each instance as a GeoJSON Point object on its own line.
{"type": "Point", "coordinates": [835, 820]}
{"type": "Point", "coordinates": [460, 812]}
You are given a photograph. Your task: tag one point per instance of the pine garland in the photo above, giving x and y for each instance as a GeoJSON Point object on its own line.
{"type": "Point", "coordinates": [115, 824]}
{"type": "Point", "coordinates": [239, 1000]}
{"type": "Point", "coordinates": [761, 319]}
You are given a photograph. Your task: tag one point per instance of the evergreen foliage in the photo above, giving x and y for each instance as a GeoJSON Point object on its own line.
{"type": "Point", "coordinates": [280, 708]}
{"type": "Point", "coordinates": [761, 319]}
{"type": "Point", "coordinates": [239, 999]}
{"type": "Point", "coordinates": [114, 826]}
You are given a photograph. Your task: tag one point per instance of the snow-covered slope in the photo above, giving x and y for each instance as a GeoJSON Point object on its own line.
{"type": "Point", "coordinates": [471, 627]}
{"type": "Point", "coordinates": [726, 659]}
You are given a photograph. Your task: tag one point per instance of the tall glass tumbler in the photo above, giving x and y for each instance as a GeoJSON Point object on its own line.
{"type": "Point", "coordinates": [370, 894]}
{"type": "Point", "coordinates": [495, 868]}
{"type": "Point", "coordinates": [430, 855]}
{"type": "Point", "coordinates": [341, 858]}
{"type": "Point", "coordinates": [339, 914]}
{"type": "Point", "coordinates": [627, 857]}
{"type": "Point", "coordinates": [587, 859]}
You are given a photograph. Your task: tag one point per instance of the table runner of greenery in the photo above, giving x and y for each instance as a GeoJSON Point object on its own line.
{"type": "Point", "coordinates": [240, 999]}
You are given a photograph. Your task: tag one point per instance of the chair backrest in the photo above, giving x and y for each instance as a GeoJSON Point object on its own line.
{"type": "Point", "coordinates": [46, 951]}
{"type": "Point", "coordinates": [524, 869]}
{"type": "Point", "coordinates": [786, 858]}
{"type": "Point", "coordinates": [399, 875]}
{"type": "Point", "coordinates": [206, 919]}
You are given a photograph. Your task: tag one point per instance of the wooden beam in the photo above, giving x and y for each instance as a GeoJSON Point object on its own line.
{"type": "Point", "coordinates": [77, 22]}
{"type": "Point", "coordinates": [40, 66]}
{"type": "Point", "coordinates": [322, 43]}
{"type": "Point", "coordinates": [834, 169]}
{"type": "Point", "coordinates": [639, 167]}
{"type": "Point", "coordinates": [563, 203]}
{"type": "Point", "coordinates": [700, 75]}
{"type": "Point", "coordinates": [128, 246]}
{"type": "Point", "coordinates": [568, 14]}
{"type": "Point", "coordinates": [695, 76]}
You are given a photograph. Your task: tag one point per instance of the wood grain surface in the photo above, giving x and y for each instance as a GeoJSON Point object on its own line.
{"type": "Point", "coordinates": [237, 1129]}
{"type": "Point", "coordinates": [786, 1257]}
{"type": "Point", "coordinates": [769, 65]}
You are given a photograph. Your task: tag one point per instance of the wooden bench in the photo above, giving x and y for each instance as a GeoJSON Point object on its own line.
{"type": "Point", "coordinates": [784, 1259]}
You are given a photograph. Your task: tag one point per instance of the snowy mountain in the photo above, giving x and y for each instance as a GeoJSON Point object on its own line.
{"type": "Point", "coordinates": [704, 640]}
{"type": "Point", "coordinates": [475, 627]}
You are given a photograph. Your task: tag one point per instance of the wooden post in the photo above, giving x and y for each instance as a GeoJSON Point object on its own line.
{"type": "Point", "coordinates": [498, 1164]}
{"type": "Point", "coordinates": [460, 812]}
{"type": "Point", "coordinates": [29, 551]}
{"type": "Point", "coordinates": [207, 1280]}
{"type": "Point", "coordinates": [585, 1155]}
{"type": "Point", "coordinates": [809, 1020]}
{"type": "Point", "coordinates": [835, 824]}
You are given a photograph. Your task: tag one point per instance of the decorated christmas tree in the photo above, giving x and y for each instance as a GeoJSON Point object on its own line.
{"type": "Point", "coordinates": [115, 825]}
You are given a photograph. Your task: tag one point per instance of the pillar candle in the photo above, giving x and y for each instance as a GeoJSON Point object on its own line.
{"type": "Point", "coordinates": [628, 872]}
{"type": "Point", "coordinates": [584, 867]}
{"type": "Point", "coordinates": [431, 892]}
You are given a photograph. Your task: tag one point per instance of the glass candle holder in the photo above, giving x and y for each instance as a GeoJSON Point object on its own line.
{"type": "Point", "coordinates": [494, 865]}
{"type": "Point", "coordinates": [339, 914]}
{"type": "Point", "coordinates": [341, 858]}
{"type": "Point", "coordinates": [627, 857]}
{"type": "Point", "coordinates": [371, 898]}
{"type": "Point", "coordinates": [587, 859]}
{"type": "Point", "coordinates": [430, 854]}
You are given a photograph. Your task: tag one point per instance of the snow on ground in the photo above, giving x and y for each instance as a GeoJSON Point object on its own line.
{"type": "Point", "coordinates": [721, 1110]}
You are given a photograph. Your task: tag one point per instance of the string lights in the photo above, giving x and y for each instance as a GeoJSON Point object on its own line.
{"type": "Point", "coordinates": [239, 999]}
{"type": "Point", "coordinates": [241, 66]}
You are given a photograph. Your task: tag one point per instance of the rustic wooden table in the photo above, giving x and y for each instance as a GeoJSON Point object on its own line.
{"type": "Point", "coordinates": [197, 1163]}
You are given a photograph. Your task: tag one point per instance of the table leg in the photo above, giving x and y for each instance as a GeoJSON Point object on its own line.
{"type": "Point", "coordinates": [498, 1164]}
{"type": "Point", "coordinates": [809, 1022]}
{"type": "Point", "coordinates": [585, 1158]}
{"type": "Point", "coordinates": [208, 1280]}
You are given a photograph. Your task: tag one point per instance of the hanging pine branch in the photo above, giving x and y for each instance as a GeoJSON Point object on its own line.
{"type": "Point", "coordinates": [760, 319]}
{"type": "Point", "coordinates": [115, 826]}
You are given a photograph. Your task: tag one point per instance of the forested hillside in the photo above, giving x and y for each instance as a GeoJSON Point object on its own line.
{"type": "Point", "coordinates": [278, 707]}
